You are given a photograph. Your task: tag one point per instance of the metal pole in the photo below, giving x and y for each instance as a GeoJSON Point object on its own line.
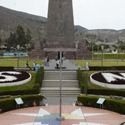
{"type": "Point", "coordinates": [18, 60]}
{"type": "Point", "coordinates": [18, 47]}
{"type": "Point", "coordinates": [92, 50]}
{"type": "Point", "coordinates": [60, 85]}
{"type": "Point", "coordinates": [102, 47]}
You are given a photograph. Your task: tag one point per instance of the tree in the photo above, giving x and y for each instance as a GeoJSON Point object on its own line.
{"type": "Point", "coordinates": [19, 38]}
{"type": "Point", "coordinates": [11, 41]}
{"type": "Point", "coordinates": [20, 35]}
{"type": "Point", "coordinates": [28, 39]}
{"type": "Point", "coordinates": [0, 41]}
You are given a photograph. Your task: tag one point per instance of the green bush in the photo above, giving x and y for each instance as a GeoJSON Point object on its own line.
{"type": "Point", "coordinates": [98, 68]}
{"type": "Point", "coordinates": [107, 91]}
{"type": "Point", "coordinates": [82, 77]}
{"type": "Point", "coordinates": [110, 104]}
{"type": "Point", "coordinates": [7, 104]}
{"type": "Point", "coordinates": [39, 76]}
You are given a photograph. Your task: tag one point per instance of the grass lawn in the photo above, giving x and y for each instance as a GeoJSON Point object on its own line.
{"type": "Point", "coordinates": [22, 62]}
{"type": "Point", "coordinates": [106, 62]}
{"type": "Point", "coordinates": [109, 56]}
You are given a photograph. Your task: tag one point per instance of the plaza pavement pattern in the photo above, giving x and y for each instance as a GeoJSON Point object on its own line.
{"type": "Point", "coordinates": [73, 115]}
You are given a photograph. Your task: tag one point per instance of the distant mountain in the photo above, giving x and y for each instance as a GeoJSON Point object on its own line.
{"type": "Point", "coordinates": [9, 19]}
{"type": "Point", "coordinates": [79, 28]}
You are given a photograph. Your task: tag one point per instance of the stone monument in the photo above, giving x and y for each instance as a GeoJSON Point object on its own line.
{"type": "Point", "coordinates": [60, 25]}
{"type": "Point", "coordinates": [60, 31]}
{"type": "Point", "coordinates": [60, 28]}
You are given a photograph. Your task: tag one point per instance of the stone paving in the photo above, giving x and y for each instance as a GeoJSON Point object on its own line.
{"type": "Point", "coordinates": [73, 115]}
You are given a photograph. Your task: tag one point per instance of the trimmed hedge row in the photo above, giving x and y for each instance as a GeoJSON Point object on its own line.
{"type": "Point", "coordinates": [39, 77]}
{"type": "Point", "coordinates": [83, 80]}
{"type": "Point", "coordinates": [110, 104]}
{"type": "Point", "coordinates": [105, 91]}
{"type": "Point", "coordinates": [9, 103]}
{"type": "Point", "coordinates": [4, 68]}
{"type": "Point", "coordinates": [98, 68]}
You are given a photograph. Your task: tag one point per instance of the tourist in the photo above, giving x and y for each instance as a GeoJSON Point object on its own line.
{"type": "Point", "coordinates": [46, 61]}
{"type": "Point", "coordinates": [57, 63]}
{"type": "Point", "coordinates": [34, 65]}
{"type": "Point", "coordinates": [27, 65]}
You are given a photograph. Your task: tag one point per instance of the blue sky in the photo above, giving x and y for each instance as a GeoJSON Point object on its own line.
{"type": "Point", "coordinates": [92, 14]}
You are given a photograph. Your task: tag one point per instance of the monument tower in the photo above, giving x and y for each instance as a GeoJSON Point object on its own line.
{"type": "Point", "coordinates": [60, 31]}
{"type": "Point", "coordinates": [60, 25]}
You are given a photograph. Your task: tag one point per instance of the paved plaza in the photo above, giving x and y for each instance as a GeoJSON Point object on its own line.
{"type": "Point", "coordinates": [73, 115]}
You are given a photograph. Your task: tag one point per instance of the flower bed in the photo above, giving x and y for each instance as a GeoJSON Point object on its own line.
{"type": "Point", "coordinates": [11, 78]}
{"type": "Point", "coordinates": [115, 80]}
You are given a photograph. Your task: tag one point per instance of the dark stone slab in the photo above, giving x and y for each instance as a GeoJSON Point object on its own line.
{"type": "Point", "coordinates": [60, 25]}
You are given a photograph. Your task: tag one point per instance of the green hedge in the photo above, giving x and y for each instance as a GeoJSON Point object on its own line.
{"type": "Point", "coordinates": [110, 104]}
{"type": "Point", "coordinates": [39, 77]}
{"type": "Point", "coordinates": [106, 92]}
{"type": "Point", "coordinates": [82, 77]}
{"type": "Point", "coordinates": [98, 68]}
{"type": "Point", "coordinates": [9, 103]}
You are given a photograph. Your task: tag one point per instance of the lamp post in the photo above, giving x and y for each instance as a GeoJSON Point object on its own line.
{"type": "Point", "coordinates": [27, 47]}
{"type": "Point", "coordinates": [18, 47]}
{"type": "Point", "coordinates": [60, 101]}
{"type": "Point", "coordinates": [102, 48]}
{"type": "Point", "coordinates": [92, 48]}
{"type": "Point", "coordinates": [60, 115]}
{"type": "Point", "coordinates": [117, 55]}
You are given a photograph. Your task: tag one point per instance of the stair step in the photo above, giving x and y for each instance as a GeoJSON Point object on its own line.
{"type": "Point", "coordinates": [55, 91]}
{"type": "Point", "coordinates": [69, 84]}
{"type": "Point", "coordinates": [57, 88]}
{"type": "Point", "coordinates": [55, 75]}
{"type": "Point", "coordinates": [56, 83]}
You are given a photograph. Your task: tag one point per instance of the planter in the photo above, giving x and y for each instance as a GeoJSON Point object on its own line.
{"type": "Point", "coordinates": [12, 78]}
{"type": "Point", "coordinates": [113, 80]}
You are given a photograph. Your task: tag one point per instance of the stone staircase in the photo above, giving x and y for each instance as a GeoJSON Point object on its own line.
{"type": "Point", "coordinates": [51, 84]}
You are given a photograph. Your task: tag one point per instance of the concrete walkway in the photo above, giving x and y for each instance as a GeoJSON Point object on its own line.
{"type": "Point", "coordinates": [68, 64]}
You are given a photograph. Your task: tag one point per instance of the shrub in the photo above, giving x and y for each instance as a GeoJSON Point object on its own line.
{"type": "Point", "coordinates": [106, 92]}
{"type": "Point", "coordinates": [9, 103]}
{"type": "Point", "coordinates": [98, 68]}
{"type": "Point", "coordinates": [39, 77]}
{"type": "Point", "coordinates": [4, 68]}
{"type": "Point", "coordinates": [82, 77]}
{"type": "Point", "coordinates": [110, 104]}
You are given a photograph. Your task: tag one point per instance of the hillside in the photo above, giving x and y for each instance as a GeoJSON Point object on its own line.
{"type": "Point", "coordinates": [9, 19]}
